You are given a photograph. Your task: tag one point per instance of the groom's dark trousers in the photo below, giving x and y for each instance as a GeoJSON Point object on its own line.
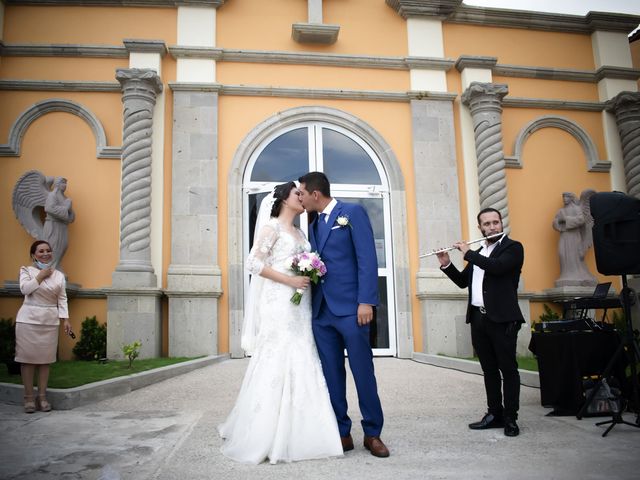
{"type": "Point", "coordinates": [333, 334]}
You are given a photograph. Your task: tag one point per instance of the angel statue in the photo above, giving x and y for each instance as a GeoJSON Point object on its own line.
{"type": "Point", "coordinates": [32, 194]}
{"type": "Point", "coordinates": [574, 222]}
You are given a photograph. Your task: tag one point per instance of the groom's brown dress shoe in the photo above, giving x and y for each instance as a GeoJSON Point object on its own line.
{"type": "Point", "coordinates": [347, 443]}
{"type": "Point", "coordinates": [376, 447]}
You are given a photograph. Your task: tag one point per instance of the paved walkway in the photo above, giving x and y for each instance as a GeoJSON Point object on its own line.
{"type": "Point", "coordinates": [167, 431]}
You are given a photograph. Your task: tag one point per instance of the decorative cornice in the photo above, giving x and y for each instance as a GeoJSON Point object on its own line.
{"type": "Point", "coordinates": [321, 33]}
{"type": "Point", "coordinates": [211, 53]}
{"type": "Point", "coordinates": [60, 50]}
{"type": "Point", "coordinates": [545, 21]}
{"type": "Point", "coordinates": [472, 61]}
{"type": "Point", "coordinates": [121, 3]}
{"type": "Point", "coordinates": [617, 72]}
{"type": "Point", "coordinates": [428, 8]}
{"type": "Point", "coordinates": [326, 94]}
{"type": "Point", "coordinates": [545, 73]}
{"type": "Point", "coordinates": [552, 104]}
{"type": "Point", "coordinates": [311, 58]}
{"type": "Point", "coordinates": [145, 46]}
{"type": "Point", "coordinates": [60, 85]}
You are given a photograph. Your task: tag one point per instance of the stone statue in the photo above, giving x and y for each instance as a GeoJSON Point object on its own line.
{"type": "Point", "coordinates": [35, 193]}
{"type": "Point", "coordinates": [574, 222]}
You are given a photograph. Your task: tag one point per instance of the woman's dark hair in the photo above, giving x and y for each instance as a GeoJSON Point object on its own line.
{"type": "Point", "coordinates": [281, 193]}
{"type": "Point", "coordinates": [316, 181]}
{"type": "Point", "coordinates": [34, 246]}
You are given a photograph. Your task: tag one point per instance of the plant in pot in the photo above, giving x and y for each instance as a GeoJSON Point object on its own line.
{"type": "Point", "coordinates": [8, 346]}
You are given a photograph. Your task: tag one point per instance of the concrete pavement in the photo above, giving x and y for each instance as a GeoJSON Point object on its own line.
{"type": "Point", "coordinates": [166, 431]}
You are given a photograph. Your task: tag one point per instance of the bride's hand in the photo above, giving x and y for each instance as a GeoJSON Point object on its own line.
{"type": "Point", "coordinates": [300, 282]}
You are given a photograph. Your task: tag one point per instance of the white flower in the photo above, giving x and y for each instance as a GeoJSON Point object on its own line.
{"type": "Point", "coordinates": [305, 265]}
{"type": "Point", "coordinates": [343, 221]}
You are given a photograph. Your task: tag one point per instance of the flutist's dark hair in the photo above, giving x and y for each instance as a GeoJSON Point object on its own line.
{"type": "Point", "coordinates": [487, 210]}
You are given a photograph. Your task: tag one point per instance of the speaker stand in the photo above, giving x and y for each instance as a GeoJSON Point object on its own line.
{"type": "Point", "coordinates": [629, 347]}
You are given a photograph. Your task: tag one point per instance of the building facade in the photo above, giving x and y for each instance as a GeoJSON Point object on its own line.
{"type": "Point", "coordinates": [171, 120]}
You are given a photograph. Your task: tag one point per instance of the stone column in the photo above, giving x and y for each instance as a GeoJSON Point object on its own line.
{"type": "Point", "coordinates": [485, 104]}
{"type": "Point", "coordinates": [133, 302]}
{"type": "Point", "coordinates": [626, 108]}
{"type": "Point", "coordinates": [139, 89]}
{"type": "Point", "coordinates": [194, 277]}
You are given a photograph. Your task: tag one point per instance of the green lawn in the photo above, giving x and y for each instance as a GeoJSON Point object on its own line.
{"type": "Point", "coordinates": [75, 373]}
{"type": "Point", "coordinates": [524, 363]}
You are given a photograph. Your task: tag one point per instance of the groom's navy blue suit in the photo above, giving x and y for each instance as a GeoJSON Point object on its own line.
{"type": "Point", "coordinates": [351, 279]}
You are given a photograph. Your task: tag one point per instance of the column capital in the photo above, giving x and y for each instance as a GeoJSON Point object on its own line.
{"type": "Point", "coordinates": [488, 95]}
{"type": "Point", "coordinates": [139, 81]}
{"type": "Point", "coordinates": [622, 101]}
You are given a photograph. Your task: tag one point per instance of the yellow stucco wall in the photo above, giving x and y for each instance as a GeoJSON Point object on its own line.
{"type": "Point", "coordinates": [62, 144]}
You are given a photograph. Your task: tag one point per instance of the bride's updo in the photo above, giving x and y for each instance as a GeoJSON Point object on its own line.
{"type": "Point", "coordinates": [281, 193]}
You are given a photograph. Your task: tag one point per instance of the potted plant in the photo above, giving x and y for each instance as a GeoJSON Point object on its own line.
{"type": "Point", "coordinates": [8, 346]}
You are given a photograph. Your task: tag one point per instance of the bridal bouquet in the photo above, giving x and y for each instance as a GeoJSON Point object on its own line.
{"type": "Point", "coordinates": [310, 265]}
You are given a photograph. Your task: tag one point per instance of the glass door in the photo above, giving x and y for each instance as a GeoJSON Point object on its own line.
{"type": "Point", "coordinates": [356, 176]}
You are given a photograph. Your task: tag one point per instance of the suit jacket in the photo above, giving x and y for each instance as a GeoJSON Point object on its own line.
{"type": "Point", "coordinates": [501, 276]}
{"type": "Point", "coordinates": [350, 257]}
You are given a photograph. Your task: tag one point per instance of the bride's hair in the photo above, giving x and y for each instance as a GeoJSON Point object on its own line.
{"type": "Point", "coordinates": [281, 193]}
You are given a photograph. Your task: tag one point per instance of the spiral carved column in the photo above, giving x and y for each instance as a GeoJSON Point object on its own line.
{"type": "Point", "coordinates": [626, 107]}
{"type": "Point", "coordinates": [139, 90]}
{"type": "Point", "coordinates": [485, 103]}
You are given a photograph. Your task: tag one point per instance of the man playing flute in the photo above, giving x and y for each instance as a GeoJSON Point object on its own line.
{"type": "Point", "coordinates": [492, 274]}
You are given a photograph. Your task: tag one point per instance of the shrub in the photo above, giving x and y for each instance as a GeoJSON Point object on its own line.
{"type": "Point", "coordinates": [7, 340]}
{"type": "Point", "coordinates": [93, 340]}
{"type": "Point", "coordinates": [132, 351]}
{"type": "Point", "coordinates": [548, 315]}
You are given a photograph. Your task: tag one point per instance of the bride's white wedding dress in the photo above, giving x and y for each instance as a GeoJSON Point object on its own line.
{"type": "Point", "coordinates": [283, 411]}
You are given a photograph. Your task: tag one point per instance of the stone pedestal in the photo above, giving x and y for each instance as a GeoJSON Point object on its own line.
{"type": "Point", "coordinates": [134, 315]}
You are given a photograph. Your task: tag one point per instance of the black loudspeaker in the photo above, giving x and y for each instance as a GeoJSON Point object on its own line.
{"type": "Point", "coordinates": [616, 233]}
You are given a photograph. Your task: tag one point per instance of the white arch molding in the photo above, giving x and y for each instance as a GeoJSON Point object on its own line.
{"type": "Point", "coordinates": [37, 110]}
{"type": "Point", "coordinates": [397, 194]}
{"type": "Point", "coordinates": [594, 164]}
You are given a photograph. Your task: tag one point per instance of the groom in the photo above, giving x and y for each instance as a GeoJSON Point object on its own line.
{"type": "Point", "coordinates": [343, 304]}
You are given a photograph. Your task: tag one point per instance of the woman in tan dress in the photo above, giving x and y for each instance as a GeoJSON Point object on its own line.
{"type": "Point", "coordinates": [38, 322]}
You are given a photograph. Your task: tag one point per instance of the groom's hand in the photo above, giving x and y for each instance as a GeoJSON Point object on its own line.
{"type": "Point", "coordinates": [365, 314]}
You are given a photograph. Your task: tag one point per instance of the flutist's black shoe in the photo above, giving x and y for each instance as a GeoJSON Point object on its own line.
{"type": "Point", "coordinates": [488, 421]}
{"type": "Point", "coordinates": [511, 428]}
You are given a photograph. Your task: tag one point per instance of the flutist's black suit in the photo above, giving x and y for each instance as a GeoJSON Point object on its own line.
{"type": "Point", "coordinates": [495, 332]}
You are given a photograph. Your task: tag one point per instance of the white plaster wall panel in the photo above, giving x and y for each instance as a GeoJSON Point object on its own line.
{"type": "Point", "coordinates": [429, 80]}
{"type": "Point", "coordinates": [611, 48]}
{"type": "Point", "coordinates": [196, 27]}
{"type": "Point", "coordinates": [196, 70]}
{"type": "Point", "coordinates": [425, 37]}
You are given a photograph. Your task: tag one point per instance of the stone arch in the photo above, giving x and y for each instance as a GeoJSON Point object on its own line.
{"type": "Point", "coordinates": [594, 164]}
{"type": "Point", "coordinates": [35, 111]}
{"type": "Point", "coordinates": [397, 193]}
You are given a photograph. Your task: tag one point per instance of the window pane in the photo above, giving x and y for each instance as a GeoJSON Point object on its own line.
{"type": "Point", "coordinates": [345, 161]}
{"type": "Point", "coordinates": [285, 158]}
{"type": "Point", "coordinates": [374, 206]}
{"type": "Point", "coordinates": [379, 329]}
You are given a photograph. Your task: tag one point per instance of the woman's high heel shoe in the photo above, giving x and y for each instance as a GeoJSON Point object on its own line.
{"type": "Point", "coordinates": [29, 404]}
{"type": "Point", "coordinates": [43, 404]}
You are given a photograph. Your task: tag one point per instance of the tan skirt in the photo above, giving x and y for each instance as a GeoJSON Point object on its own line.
{"type": "Point", "coordinates": [36, 343]}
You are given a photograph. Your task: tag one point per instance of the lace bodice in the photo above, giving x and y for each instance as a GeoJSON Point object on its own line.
{"type": "Point", "coordinates": [274, 247]}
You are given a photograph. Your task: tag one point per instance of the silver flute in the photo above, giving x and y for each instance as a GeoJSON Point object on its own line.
{"type": "Point", "coordinates": [448, 249]}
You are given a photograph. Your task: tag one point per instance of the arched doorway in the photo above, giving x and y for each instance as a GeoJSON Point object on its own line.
{"type": "Point", "coordinates": [356, 176]}
{"type": "Point", "coordinates": [362, 169]}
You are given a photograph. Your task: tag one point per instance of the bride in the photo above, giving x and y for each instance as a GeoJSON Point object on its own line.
{"type": "Point", "coordinates": [283, 411]}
